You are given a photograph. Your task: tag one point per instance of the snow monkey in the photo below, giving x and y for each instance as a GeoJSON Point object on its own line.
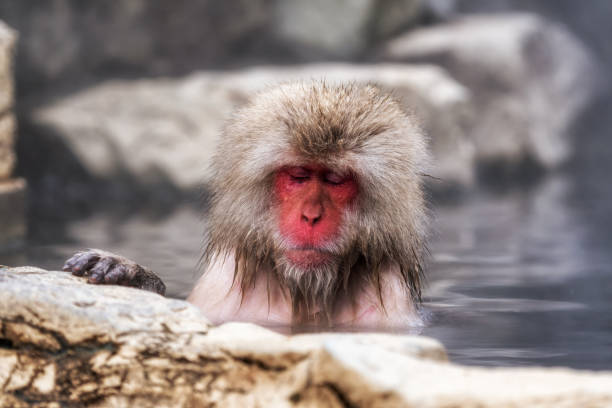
{"type": "Point", "coordinates": [317, 213]}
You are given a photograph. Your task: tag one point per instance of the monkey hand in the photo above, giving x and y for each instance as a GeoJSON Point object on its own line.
{"type": "Point", "coordinates": [103, 267]}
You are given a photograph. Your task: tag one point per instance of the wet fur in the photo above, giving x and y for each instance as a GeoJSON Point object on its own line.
{"type": "Point", "coordinates": [350, 127]}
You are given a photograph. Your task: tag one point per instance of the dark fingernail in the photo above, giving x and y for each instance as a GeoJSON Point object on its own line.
{"type": "Point", "coordinates": [75, 272]}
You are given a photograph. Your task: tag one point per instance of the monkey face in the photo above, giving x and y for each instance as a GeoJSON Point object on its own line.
{"type": "Point", "coordinates": [318, 187]}
{"type": "Point", "coordinates": [311, 202]}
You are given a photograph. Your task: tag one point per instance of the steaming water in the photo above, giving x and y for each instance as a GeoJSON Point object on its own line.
{"type": "Point", "coordinates": [516, 278]}
{"type": "Point", "coordinates": [523, 278]}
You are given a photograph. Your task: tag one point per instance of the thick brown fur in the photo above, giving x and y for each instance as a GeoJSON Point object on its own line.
{"type": "Point", "coordinates": [349, 127]}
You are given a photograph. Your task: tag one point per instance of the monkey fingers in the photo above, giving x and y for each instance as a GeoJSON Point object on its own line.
{"type": "Point", "coordinates": [103, 267]}
{"type": "Point", "coordinates": [101, 271]}
{"type": "Point", "coordinates": [81, 262]}
{"type": "Point", "coordinates": [118, 274]}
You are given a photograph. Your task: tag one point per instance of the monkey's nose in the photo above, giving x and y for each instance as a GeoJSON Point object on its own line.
{"type": "Point", "coordinates": [311, 214]}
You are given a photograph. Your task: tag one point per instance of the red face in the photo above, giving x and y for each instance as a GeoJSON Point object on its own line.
{"type": "Point", "coordinates": [312, 200]}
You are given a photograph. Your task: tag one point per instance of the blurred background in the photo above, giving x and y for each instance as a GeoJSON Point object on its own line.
{"type": "Point", "coordinates": [115, 108]}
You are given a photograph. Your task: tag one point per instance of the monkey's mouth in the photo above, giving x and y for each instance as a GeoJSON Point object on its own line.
{"type": "Point", "coordinates": [308, 256]}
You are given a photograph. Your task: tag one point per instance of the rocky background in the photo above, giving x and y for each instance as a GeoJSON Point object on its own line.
{"type": "Point", "coordinates": [125, 99]}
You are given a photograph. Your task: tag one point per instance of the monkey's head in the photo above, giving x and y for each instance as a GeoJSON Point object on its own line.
{"type": "Point", "coordinates": [319, 185]}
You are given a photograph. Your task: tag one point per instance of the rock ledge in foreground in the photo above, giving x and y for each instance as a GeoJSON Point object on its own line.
{"type": "Point", "coordinates": [64, 342]}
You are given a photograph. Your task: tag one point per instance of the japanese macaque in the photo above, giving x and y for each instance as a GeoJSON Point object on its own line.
{"type": "Point", "coordinates": [317, 214]}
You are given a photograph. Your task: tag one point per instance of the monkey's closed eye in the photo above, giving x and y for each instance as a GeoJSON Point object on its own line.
{"type": "Point", "coordinates": [299, 174]}
{"type": "Point", "coordinates": [299, 179]}
{"type": "Point", "coordinates": [335, 178]}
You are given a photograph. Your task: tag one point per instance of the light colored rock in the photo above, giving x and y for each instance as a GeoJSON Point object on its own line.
{"type": "Point", "coordinates": [12, 213]}
{"type": "Point", "coordinates": [7, 120]}
{"type": "Point", "coordinates": [7, 145]}
{"type": "Point", "coordinates": [342, 27]}
{"type": "Point", "coordinates": [308, 24]}
{"type": "Point", "coordinates": [7, 47]}
{"type": "Point", "coordinates": [167, 129]}
{"type": "Point", "coordinates": [121, 347]}
{"type": "Point", "coordinates": [70, 342]}
{"type": "Point", "coordinates": [103, 313]}
{"type": "Point", "coordinates": [529, 78]}
{"type": "Point", "coordinates": [12, 192]}
{"type": "Point", "coordinates": [399, 380]}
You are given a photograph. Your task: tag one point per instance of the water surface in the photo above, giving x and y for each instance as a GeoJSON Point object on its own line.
{"type": "Point", "coordinates": [516, 278]}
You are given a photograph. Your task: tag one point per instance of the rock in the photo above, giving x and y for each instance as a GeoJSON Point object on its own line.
{"type": "Point", "coordinates": [165, 130]}
{"type": "Point", "coordinates": [399, 380]}
{"type": "Point", "coordinates": [64, 342]}
{"type": "Point", "coordinates": [12, 192]}
{"type": "Point", "coordinates": [7, 120]}
{"type": "Point", "coordinates": [67, 40]}
{"type": "Point", "coordinates": [69, 342]}
{"type": "Point", "coordinates": [343, 28]}
{"type": "Point", "coordinates": [529, 78]}
{"type": "Point", "coordinates": [7, 143]}
{"type": "Point", "coordinates": [7, 45]}
{"type": "Point", "coordinates": [590, 23]}
{"type": "Point", "coordinates": [12, 213]}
